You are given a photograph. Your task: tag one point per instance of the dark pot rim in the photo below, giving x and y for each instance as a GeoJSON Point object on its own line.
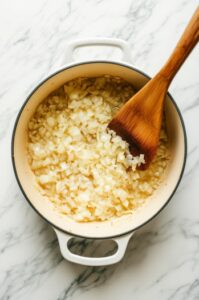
{"type": "Point", "coordinates": [17, 120]}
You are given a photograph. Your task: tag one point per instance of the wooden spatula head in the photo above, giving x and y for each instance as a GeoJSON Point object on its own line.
{"type": "Point", "coordinates": [139, 121]}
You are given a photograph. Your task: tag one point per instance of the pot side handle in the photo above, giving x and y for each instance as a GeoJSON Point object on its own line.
{"type": "Point", "coordinates": [119, 43]}
{"type": "Point", "coordinates": [64, 238]}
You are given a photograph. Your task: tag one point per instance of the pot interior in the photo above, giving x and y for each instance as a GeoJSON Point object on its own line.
{"type": "Point", "coordinates": [113, 227]}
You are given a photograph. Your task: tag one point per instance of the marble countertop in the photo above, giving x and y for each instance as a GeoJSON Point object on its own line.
{"type": "Point", "coordinates": [162, 259]}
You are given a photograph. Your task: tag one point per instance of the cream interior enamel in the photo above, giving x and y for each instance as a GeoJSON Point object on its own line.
{"type": "Point", "coordinates": [120, 225]}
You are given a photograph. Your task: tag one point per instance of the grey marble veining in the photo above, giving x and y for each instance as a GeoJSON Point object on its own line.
{"type": "Point", "coordinates": [162, 259]}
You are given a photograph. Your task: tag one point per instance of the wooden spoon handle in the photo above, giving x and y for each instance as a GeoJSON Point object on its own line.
{"type": "Point", "coordinates": [188, 40]}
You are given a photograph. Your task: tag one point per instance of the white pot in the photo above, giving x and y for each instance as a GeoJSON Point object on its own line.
{"type": "Point", "coordinates": [120, 229]}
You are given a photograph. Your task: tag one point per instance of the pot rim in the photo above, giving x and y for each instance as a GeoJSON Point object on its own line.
{"type": "Point", "coordinates": [69, 66]}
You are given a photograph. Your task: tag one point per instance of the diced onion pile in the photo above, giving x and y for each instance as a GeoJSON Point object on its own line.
{"type": "Point", "coordinates": [82, 167]}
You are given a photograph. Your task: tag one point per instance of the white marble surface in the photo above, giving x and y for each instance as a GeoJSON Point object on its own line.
{"type": "Point", "coordinates": [162, 260]}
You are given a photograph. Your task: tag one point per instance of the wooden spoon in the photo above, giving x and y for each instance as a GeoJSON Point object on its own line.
{"type": "Point", "coordinates": [139, 120]}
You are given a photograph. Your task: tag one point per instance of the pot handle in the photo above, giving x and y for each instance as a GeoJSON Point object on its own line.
{"type": "Point", "coordinates": [64, 238]}
{"type": "Point", "coordinates": [123, 45]}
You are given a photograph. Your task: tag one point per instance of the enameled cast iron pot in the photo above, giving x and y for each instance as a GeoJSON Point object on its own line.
{"type": "Point", "coordinates": [120, 229]}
